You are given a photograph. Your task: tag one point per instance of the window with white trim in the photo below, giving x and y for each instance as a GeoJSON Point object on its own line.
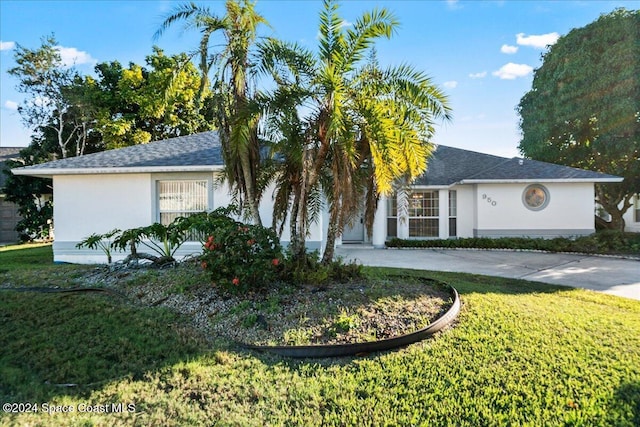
{"type": "Point", "coordinates": [637, 208]}
{"type": "Point", "coordinates": [181, 198]}
{"type": "Point", "coordinates": [392, 216]}
{"type": "Point", "coordinates": [453, 213]}
{"type": "Point", "coordinates": [424, 214]}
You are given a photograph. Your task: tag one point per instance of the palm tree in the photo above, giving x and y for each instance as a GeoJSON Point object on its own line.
{"type": "Point", "coordinates": [237, 116]}
{"type": "Point", "coordinates": [368, 127]}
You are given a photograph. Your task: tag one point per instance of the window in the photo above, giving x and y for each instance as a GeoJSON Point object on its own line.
{"type": "Point", "coordinates": [637, 208]}
{"type": "Point", "coordinates": [392, 216]}
{"type": "Point", "coordinates": [453, 213]}
{"type": "Point", "coordinates": [181, 198]}
{"type": "Point", "coordinates": [535, 197]}
{"type": "Point", "coordinates": [423, 214]}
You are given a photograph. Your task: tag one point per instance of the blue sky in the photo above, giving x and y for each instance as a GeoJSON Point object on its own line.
{"type": "Point", "coordinates": [482, 53]}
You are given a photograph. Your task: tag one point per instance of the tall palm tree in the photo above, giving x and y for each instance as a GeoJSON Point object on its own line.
{"type": "Point", "coordinates": [292, 68]}
{"type": "Point", "coordinates": [237, 116]}
{"type": "Point", "coordinates": [367, 128]}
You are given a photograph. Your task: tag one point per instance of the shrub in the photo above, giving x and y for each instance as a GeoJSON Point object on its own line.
{"type": "Point", "coordinates": [603, 242]}
{"type": "Point", "coordinates": [239, 257]}
{"type": "Point", "coordinates": [100, 241]}
{"type": "Point", "coordinates": [310, 270]}
{"type": "Point", "coordinates": [163, 240]}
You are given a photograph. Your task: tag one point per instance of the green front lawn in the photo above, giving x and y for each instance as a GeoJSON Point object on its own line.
{"type": "Point", "coordinates": [521, 353]}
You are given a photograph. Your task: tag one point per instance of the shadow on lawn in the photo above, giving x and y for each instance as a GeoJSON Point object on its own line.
{"type": "Point", "coordinates": [49, 341]}
{"type": "Point", "coordinates": [627, 399]}
{"type": "Point", "coordinates": [73, 344]}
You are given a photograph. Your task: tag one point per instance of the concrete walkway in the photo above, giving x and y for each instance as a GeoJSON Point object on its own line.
{"type": "Point", "coordinates": [603, 274]}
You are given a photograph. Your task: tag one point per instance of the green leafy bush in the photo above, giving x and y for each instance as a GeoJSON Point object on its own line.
{"type": "Point", "coordinates": [163, 240]}
{"type": "Point", "coordinates": [604, 242]}
{"type": "Point", "coordinates": [310, 270]}
{"type": "Point", "coordinates": [239, 257]}
{"type": "Point", "coordinates": [100, 241]}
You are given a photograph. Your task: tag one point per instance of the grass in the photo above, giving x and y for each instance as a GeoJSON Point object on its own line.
{"type": "Point", "coordinates": [31, 265]}
{"type": "Point", "coordinates": [521, 353]}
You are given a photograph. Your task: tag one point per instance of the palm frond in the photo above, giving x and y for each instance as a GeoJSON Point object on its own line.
{"type": "Point", "coordinates": [366, 30]}
{"type": "Point", "coordinates": [182, 12]}
{"type": "Point", "coordinates": [314, 205]}
{"type": "Point", "coordinates": [331, 39]}
{"type": "Point", "coordinates": [287, 63]}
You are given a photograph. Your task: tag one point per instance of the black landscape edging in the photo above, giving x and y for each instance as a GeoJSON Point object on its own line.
{"type": "Point", "coordinates": [308, 351]}
{"type": "Point", "coordinates": [338, 350]}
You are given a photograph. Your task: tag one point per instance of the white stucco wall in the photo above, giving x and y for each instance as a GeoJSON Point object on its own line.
{"type": "Point", "coordinates": [87, 204]}
{"type": "Point", "coordinates": [501, 211]}
{"type": "Point", "coordinates": [465, 197]}
{"type": "Point", "coordinates": [497, 210]}
{"type": "Point", "coordinates": [317, 230]}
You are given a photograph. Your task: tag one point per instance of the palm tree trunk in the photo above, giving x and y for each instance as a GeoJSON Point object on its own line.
{"type": "Point", "coordinates": [299, 235]}
{"type": "Point", "coordinates": [251, 197]}
{"type": "Point", "coordinates": [332, 232]}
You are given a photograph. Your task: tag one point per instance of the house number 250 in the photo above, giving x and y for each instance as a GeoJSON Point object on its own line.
{"type": "Point", "coordinates": [489, 200]}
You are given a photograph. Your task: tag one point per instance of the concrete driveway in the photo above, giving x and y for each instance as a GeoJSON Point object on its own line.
{"type": "Point", "coordinates": [603, 274]}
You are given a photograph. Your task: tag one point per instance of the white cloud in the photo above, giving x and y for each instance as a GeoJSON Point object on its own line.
{"type": "Point", "coordinates": [454, 4]}
{"type": "Point", "coordinates": [538, 41]}
{"type": "Point", "coordinates": [450, 84]}
{"type": "Point", "coordinates": [508, 49]}
{"type": "Point", "coordinates": [72, 56]}
{"type": "Point", "coordinates": [512, 71]}
{"type": "Point", "coordinates": [11, 105]}
{"type": "Point", "coordinates": [481, 75]}
{"type": "Point", "coordinates": [7, 45]}
{"type": "Point", "coordinates": [346, 23]}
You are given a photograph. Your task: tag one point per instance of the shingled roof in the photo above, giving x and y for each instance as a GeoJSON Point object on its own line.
{"type": "Point", "coordinates": [450, 165]}
{"type": "Point", "coordinates": [202, 152]}
{"type": "Point", "coordinates": [197, 152]}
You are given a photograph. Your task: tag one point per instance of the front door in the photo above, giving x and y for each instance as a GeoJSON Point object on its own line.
{"type": "Point", "coordinates": [354, 233]}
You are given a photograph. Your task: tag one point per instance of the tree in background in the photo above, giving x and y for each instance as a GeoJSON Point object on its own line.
{"type": "Point", "coordinates": [32, 195]}
{"type": "Point", "coordinates": [57, 110]}
{"type": "Point", "coordinates": [72, 115]}
{"type": "Point", "coordinates": [584, 107]}
{"type": "Point", "coordinates": [139, 104]}
{"type": "Point", "coordinates": [367, 128]}
{"type": "Point", "coordinates": [237, 115]}
{"type": "Point", "coordinates": [54, 100]}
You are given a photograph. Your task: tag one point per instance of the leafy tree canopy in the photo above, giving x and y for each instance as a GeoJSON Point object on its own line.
{"type": "Point", "coordinates": [584, 107]}
{"type": "Point", "coordinates": [141, 104]}
{"type": "Point", "coordinates": [32, 195]}
{"type": "Point", "coordinates": [71, 114]}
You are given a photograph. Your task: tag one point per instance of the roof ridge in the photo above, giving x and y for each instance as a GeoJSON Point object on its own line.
{"type": "Point", "coordinates": [490, 168]}
{"type": "Point", "coordinates": [472, 151]}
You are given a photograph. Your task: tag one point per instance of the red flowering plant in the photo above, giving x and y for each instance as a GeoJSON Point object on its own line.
{"type": "Point", "coordinates": [240, 257]}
